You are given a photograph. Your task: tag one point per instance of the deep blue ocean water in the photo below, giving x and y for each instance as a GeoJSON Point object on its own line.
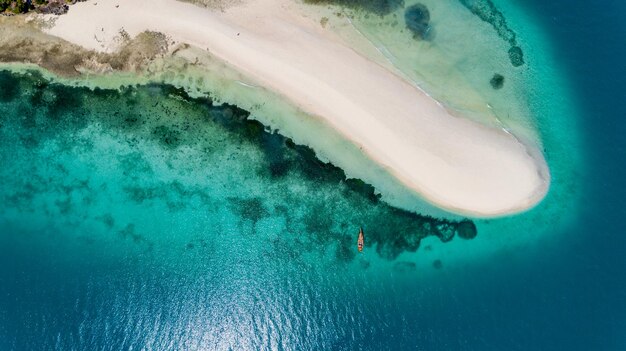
{"type": "Point", "coordinates": [135, 232]}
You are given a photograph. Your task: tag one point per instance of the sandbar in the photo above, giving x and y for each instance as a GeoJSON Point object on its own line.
{"type": "Point", "coordinates": [451, 161]}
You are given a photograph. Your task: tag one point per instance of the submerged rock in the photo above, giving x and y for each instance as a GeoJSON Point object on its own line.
{"type": "Point", "coordinates": [417, 18]}
{"type": "Point", "coordinates": [466, 229]}
{"type": "Point", "coordinates": [516, 56]}
{"type": "Point", "coordinates": [497, 81]}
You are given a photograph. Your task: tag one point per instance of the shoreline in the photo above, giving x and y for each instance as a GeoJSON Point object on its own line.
{"type": "Point", "coordinates": [498, 175]}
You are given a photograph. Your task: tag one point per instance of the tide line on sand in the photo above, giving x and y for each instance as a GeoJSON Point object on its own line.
{"type": "Point", "coordinates": [455, 163]}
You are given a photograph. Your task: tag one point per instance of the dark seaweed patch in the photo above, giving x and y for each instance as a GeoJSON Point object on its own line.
{"type": "Point", "coordinates": [105, 94]}
{"type": "Point", "coordinates": [9, 86]}
{"type": "Point", "coordinates": [129, 232]}
{"type": "Point", "coordinates": [360, 187]}
{"type": "Point", "coordinates": [108, 220]}
{"type": "Point", "coordinates": [516, 56]}
{"type": "Point", "coordinates": [444, 231]}
{"type": "Point", "coordinates": [277, 161]}
{"type": "Point", "coordinates": [345, 248]}
{"type": "Point", "coordinates": [167, 136]}
{"type": "Point", "coordinates": [497, 81]}
{"type": "Point", "coordinates": [59, 100]}
{"type": "Point", "coordinates": [252, 209]}
{"type": "Point", "coordinates": [173, 194]}
{"type": "Point", "coordinates": [132, 120]}
{"type": "Point", "coordinates": [320, 224]}
{"type": "Point", "coordinates": [27, 115]}
{"type": "Point", "coordinates": [417, 19]}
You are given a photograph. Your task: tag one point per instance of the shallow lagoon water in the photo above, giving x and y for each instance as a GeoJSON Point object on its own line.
{"type": "Point", "coordinates": [113, 238]}
{"type": "Point", "coordinates": [149, 176]}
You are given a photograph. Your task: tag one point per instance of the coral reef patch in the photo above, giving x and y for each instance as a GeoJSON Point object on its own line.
{"type": "Point", "coordinates": [166, 152]}
{"type": "Point", "coordinates": [487, 11]}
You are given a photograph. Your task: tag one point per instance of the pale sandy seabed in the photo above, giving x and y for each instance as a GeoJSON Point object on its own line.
{"type": "Point", "coordinates": [446, 67]}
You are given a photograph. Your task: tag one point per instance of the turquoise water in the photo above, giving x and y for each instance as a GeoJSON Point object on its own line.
{"type": "Point", "coordinates": [144, 219]}
{"type": "Point", "coordinates": [148, 186]}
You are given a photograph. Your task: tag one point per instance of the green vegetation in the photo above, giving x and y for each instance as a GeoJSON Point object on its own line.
{"type": "Point", "coordinates": [16, 6]}
{"type": "Point", "coordinates": [44, 6]}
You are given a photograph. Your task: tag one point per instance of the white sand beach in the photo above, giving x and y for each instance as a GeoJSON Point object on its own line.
{"type": "Point", "coordinates": [453, 162]}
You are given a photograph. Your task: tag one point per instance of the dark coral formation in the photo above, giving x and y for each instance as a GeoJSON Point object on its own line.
{"type": "Point", "coordinates": [466, 230]}
{"type": "Point", "coordinates": [251, 209]}
{"type": "Point", "coordinates": [487, 11]}
{"type": "Point", "coordinates": [168, 137]}
{"type": "Point", "coordinates": [497, 81]}
{"type": "Point", "coordinates": [516, 56]}
{"type": "Point", "coordinates": [417, 19]}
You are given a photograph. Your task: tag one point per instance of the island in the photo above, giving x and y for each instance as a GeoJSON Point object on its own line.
{"type": "Point", "coordinates": [453, 162]}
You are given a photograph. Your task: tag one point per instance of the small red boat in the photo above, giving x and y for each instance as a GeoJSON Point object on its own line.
{"type": "Point", "coordinates": [361, 241]}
